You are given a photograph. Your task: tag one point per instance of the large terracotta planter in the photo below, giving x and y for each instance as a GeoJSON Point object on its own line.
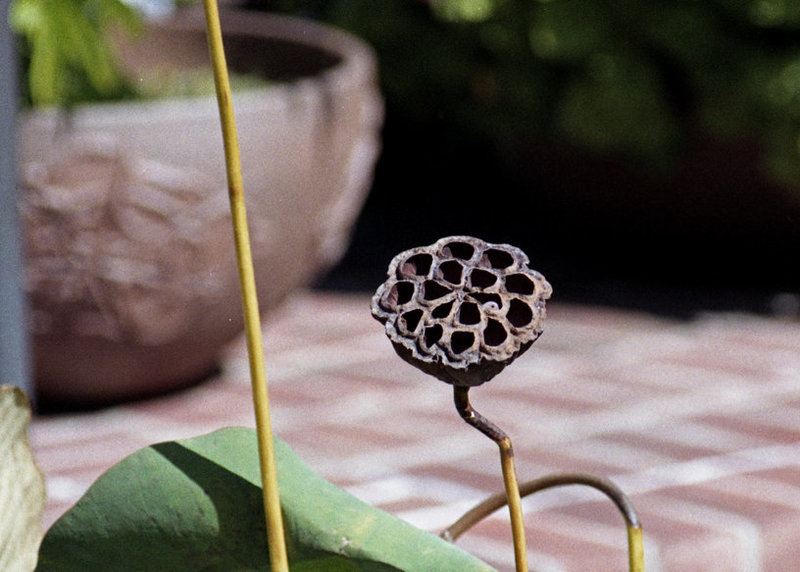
{"type": "Point", "coordinates": [130, 262]}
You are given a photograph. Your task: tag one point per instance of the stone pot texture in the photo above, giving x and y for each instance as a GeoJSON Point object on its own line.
{"type": "Point", "coordinates": [130, 263]}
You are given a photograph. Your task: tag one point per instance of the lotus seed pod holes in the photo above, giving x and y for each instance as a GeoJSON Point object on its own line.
{"type": "Point", "coordinates": [461, 309]}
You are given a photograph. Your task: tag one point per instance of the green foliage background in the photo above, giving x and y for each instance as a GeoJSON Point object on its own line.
{"type": "Point", "coordinates": [636, 78]}
{"type": "Point", "coordinates": [66, 54]}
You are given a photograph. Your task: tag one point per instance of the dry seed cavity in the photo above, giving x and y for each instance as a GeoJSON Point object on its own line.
{"type": "Point", "coordinates": [417, 265]}
{"type": "Point", "coordinates": [494, 334]}
{"type": "Point", "coordinates": [469, 314]}
{"type": "Point", "coordinates": [481, 279]}
{"type": "Point", "coordinates": [520, 284]}
{"type": "Point", "coordinates": [442, 311]}
{"type": "Point", "coordinates": [432, 290]}
{"type": "Point", "coordinates": [519, 313]}
{"type": "Point", "coordinates": [400, 293]}
{"type": "Point", "coordinates": [461, 341]}
{"type": "Point", "coordinates": [411, 319]}
{"type": "Point", "coordinates": [451, 270]}
{"type": "Point", "coordinates": [499, 258]}
{"type": "Point", "coordinates": [460, 250]}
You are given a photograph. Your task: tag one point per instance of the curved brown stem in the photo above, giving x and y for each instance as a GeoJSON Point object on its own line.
{"type": "Point", "coordinates": [606, 486]}
{"type": "Point", "coordinates": [512, 492]}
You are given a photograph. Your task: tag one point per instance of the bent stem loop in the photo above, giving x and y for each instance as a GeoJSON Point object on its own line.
{"type": "Point", "coordinates": [512, 491]}
{"type": "Point", "coordinates": [611, 490]}
{"type": "Point", "coordinates": [252, 321]}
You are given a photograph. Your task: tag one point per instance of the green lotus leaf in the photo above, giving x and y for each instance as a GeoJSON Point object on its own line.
{"type": "Point", "coordinates": [196, 504]}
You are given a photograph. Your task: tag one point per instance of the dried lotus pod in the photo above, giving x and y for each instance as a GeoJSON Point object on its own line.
{"type": "Point", "coordinates": [461, 309]}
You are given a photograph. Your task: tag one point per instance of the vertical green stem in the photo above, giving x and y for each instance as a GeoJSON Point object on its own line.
{"type": "Point", "coordinates": [468, 413]}
{"type": "Point", "coordinates": [252, 322]}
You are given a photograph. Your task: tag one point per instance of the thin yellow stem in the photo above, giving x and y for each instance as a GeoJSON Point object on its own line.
{"type": "Point", "coordinates": [514, 504]}
{"type": "Point", "coordinates": [252, 322]}
{"type": "Point", "coordinates": [635, 549]}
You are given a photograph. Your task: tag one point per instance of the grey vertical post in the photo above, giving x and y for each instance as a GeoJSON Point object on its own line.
{"type": "Point", "coordinates": [14, 346]}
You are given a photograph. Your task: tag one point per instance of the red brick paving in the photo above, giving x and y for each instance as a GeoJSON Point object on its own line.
{"type": "Point", "coordinates": [698, 421]}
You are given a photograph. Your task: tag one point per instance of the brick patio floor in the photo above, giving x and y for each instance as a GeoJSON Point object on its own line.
{"type": "Point", "coordinates": [698, 421]}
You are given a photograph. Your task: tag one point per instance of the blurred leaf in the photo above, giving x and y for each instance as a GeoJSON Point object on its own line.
{"type": "Point", "coordinates": [196, 504]}
{"type": "Point", "coordinates": [782, 157]}
{"type": "Point", "coordinates": [781, 120]}
{"type": "Point", "coordinates": [114, 12]}
{"type": "Point", "coordinates": [464, 10]}
{"type": "Point", "coordinates": [783, 89]}
{"type": "Point", "coordinates": [618, 105]}
{"type": "Point", "coordinates": [765, 13]}
{"type": "Point", "coordinates": [83, 46]}
{"type": "Point", "coordinates": [70, 59]}
{"type": "Point", "coordinates": [569, 30]}
{"type": "Point", "coordinates": [22, 491]}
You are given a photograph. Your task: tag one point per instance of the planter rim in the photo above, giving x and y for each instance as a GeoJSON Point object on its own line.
{"type": "Point", "coordinates": [356, 65]}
